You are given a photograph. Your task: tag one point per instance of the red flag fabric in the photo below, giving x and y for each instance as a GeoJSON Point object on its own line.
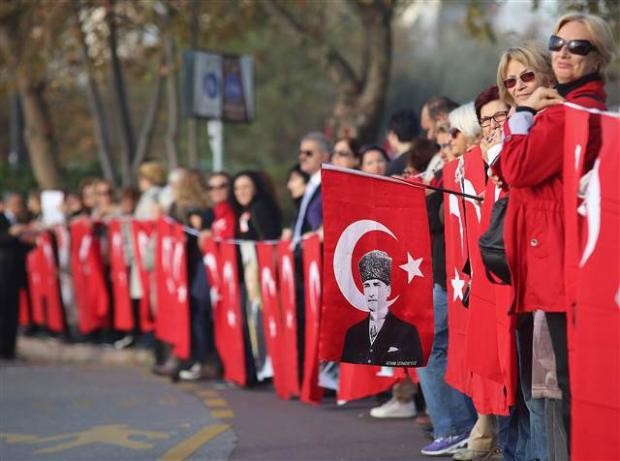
{"type": "Point", "coordinates": [228, 319]}
{"type": "Point", "coordinates": [34, 265]}
{"type": "Point", "coordinates": [311, 254]}
{"type": "Point", "coordinates": [55, 314]}
{"type": "Point", "coordinates": [172, 321]}
{"type": "Point", "coordinates": [595, 361]}
{"type": "Point", "coordinates": [286, 275]}
{"type": "Point", "coordinates": [25, 316]}
{"type": "Point", "coordinates": [378, 304]}
{"type": "Point", "coordinates": [119, 272]}
{"type": "Point", "coordinates": [482, 350]}
{"type": "Point", "coordinates": [211, 260]}
{"type": "Point", "coordinates": [141, 234]}
{"type": "Point", "coordinates": [272, 317]}
{"type": "Point", "coordinates": [458, 374]}
{"type": "Point", "coordinates": [361, 381]}
{"type": "Point", "coordinates": [88, 278]}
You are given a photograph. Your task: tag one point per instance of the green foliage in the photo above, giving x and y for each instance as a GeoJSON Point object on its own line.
{"type": "Point", "coordinates": [21, 178]}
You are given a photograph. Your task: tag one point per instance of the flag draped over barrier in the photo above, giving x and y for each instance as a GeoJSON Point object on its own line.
{"type": "Point", "coordinates": [119, 274]}
{"type": "Point", "coordinates": [143, 244]}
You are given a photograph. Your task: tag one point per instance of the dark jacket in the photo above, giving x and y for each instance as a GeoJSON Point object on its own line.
{"type": "Point", "coordinates": [397, 344]}
{"type": "Point", "coordinates": [313, 218]}
{"type": "Point", "coordinates": [263, 223]}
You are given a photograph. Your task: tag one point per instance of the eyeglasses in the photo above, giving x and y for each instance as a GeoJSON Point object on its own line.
{"type": "Point", "coordinates": [578, 47]}
{"type": "Point", "coordinates": [217, 186]}
{"type": "Point", "coordinates": [454, 133]}
{"type": "Point", "coordinates": [525, 77]}
{"type": "Point", "coordinates": [306, 153]}
{"type": "Point", "coordinates": [498, 117]}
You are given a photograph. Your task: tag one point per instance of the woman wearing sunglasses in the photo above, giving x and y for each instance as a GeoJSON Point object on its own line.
{"type": "Point", "coordinates": [531, 163]}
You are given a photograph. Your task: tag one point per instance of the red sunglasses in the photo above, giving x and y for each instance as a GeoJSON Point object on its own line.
{"type": "Point", "coordinates": [525, 77]}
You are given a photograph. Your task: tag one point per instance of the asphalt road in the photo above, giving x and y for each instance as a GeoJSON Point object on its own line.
{"type": "Point", "coordinates": [101, 413]}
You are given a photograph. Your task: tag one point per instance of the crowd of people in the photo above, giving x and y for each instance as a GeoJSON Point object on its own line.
{"type": "Point", "coordinates": [515, 127]}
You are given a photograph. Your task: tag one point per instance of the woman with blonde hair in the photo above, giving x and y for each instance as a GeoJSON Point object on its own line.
{"type": "Point", "coordinates": [531, 163]}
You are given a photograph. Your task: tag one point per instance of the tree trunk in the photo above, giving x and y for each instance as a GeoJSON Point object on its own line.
{"type": "Point", "coordinates": [172, 133]}
{"type": "Point", "coordinates": [39, 135]}
{"type": "Point", "coordinates": [120, 92]}
{"type": "Point", "coordinates": [192, 123]}
{"type": "Point", "coordinates": [146, 134]}
{"type": "Point", "coordinates": [39, 132]}
{"type": "Point", "coordinates": [102, 134]}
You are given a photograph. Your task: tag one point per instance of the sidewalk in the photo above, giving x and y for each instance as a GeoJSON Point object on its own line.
{"type": "Point", "coordinates": [41, 349]}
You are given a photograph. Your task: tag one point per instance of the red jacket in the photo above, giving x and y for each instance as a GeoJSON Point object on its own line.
{"type": "Point", "coordinates": [531, 163]}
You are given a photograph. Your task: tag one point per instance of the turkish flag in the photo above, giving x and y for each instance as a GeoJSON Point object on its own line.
{"type": "Point", "coordinates": [482, 336]}
{"type": "Point", "coordinates": [595, 361]}
{"type": "Point", "coordinates": [272, 316]}
{"type": "Point", "coordinates": [51, 289]}
{"type": "Point", "coordinates": [34, 265]}
{"type": "Point", "coordinates": [361, 381]}
{"type": "Point", "coordinates": [228, 319]}
{"type": "Point", "coordinates": [377, 259]}
{"type": "Point", "coordinates": [211, 259]}
{"type": "Point", "coordinates": [88, 277]}
{"type": "Point", "coordinates": [288, 336]}
{"type": "Point", "coordinates": [141, 234]}
{"type": "Point", "coordinates": [172, 321]}
{"type": "Point", "coordinates": [312, 261]}
{"type": "Point", "coordinates": [458, 374]}
{"type": "Point", "coordinates": [123, 315]}
{"type": "Point", "coordinates": [576, 131]}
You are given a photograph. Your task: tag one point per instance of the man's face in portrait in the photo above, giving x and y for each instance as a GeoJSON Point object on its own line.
{"type": "Point", "coordinates": [377, 293]}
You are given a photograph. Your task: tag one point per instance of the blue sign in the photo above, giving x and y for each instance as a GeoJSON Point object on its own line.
{"type": "Point", "coordinates": [233, 88]}
{"type": "Point", "coordinates": [209, 85]}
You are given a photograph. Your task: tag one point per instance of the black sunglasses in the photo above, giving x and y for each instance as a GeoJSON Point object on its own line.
{"type": "Point", "coordinates": [525, 77]}
{"type": "Point", "coordinates": [307, 153]}
{"type": "Point", "coordinates": [454, 133]}
{"type": "Point", "coordinates": [579, 47]}
{"type": "Point", "coordinates": [217, 186]}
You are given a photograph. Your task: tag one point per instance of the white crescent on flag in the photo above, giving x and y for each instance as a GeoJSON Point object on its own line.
{"type": "Point", "coordinates": [593, 212]}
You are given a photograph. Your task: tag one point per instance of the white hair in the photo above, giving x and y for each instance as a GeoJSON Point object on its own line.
{"type": "Point", "coordinates": [464, 119]}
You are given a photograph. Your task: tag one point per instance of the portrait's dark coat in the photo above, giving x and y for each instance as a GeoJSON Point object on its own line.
{"type": "Point", "coordinates": [397, 344]}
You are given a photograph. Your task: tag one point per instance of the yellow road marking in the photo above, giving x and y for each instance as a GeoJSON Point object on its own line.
{"type": "Point", "coordinates": [207, 393]}
{"type": "Point", "coordinates": [223, 414]}
{"type": "Point", "coordinates": [188, 446]}
{"type": "Point", "coordinates": [215, 403]}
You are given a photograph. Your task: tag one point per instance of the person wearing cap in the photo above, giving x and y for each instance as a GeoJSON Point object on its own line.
{"type": "Point", "coordinates": [381, 338]}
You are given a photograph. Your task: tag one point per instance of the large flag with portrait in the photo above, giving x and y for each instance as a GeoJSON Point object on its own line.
{"type": "Point", "coordinates": [378, 282]}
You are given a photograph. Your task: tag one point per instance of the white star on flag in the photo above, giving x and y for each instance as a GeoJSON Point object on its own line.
{"type": "Point", "coordinates": [215, 296]}
{"type": "Point", "coordinates": [289, 320]}
{"type": "Point", "coordinates": [457, 286]}
{"type": "Point", "coordinates": [232, 318]}
{"type": "Point", "coordinates": [412, 267]}
{"type": "Point", "coordinates": [182, 294]}
{"type": "Point", "coordinates": [272, 327]}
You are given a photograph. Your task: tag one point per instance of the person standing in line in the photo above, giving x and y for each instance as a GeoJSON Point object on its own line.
{"type": "Point", "coordinates": [403, 127]}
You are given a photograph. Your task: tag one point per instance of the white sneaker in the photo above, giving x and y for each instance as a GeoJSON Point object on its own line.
{"type": "Point", "coordinates": [394, 409]}
{"type": "Point", "coordinates": [194, 373]}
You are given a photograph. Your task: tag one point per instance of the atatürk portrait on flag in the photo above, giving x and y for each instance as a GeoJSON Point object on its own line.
{"type": "Point", "coordinates": [381, 338]}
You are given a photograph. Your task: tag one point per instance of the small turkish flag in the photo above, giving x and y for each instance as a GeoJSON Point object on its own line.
{"type": "Point", "coordinates": [228, 319]}
{"type": "Point", "coordinates": [172, 321]}
{"type": "Point", "coordinates": [142, 233]}
{"type": "Point", "coordinates": [88, 277]}
{"type": "Point", "coordinates": [311, 254]}
{"type": "Point", "coordinates": [51, 288]}
{"type": "Point", "coordinates": [286, 275]}
{"type": "Point", "coordinates": [34, 265]}
{"type": "Point", "coordinates": [595, 344]}
{"type": "Point", "coordinates": [272, 318]}
{"type": "Point", "coordinates": [378, 303]}
{"type": "Point", "coordinates": [123, 316]}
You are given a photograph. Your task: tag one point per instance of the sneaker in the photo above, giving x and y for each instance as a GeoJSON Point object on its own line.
{"type": "Point", "coordinates": [124, 342]}
{"type": "Point", "coordinates": [445, 445]}
{"type": "Point", "coordinates": [193, 373]}
{"type": "Point", "coordinates": [393, 408]}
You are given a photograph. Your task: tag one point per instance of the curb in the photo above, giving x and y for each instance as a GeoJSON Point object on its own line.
{"type": "Point", "coordinates": [56, 351]}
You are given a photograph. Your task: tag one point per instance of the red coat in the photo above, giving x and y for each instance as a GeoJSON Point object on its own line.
{"type": "Point", "coordinates": [531, 164]}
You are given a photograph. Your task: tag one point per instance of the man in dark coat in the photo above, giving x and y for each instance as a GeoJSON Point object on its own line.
{"type": "Point", "coordinates": [381, 338]}
{"type": "Point", "coordinates": [12, 272]}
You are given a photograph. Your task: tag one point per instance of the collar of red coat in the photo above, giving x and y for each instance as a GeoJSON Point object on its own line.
{"type": "Point", "coordinates": [591, 85]}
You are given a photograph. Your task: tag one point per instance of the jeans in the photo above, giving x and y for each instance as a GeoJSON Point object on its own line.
{"type": "Point", "coordinates": [451, 411]}
{"type": "Point", "coordinates": [537, 444]}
